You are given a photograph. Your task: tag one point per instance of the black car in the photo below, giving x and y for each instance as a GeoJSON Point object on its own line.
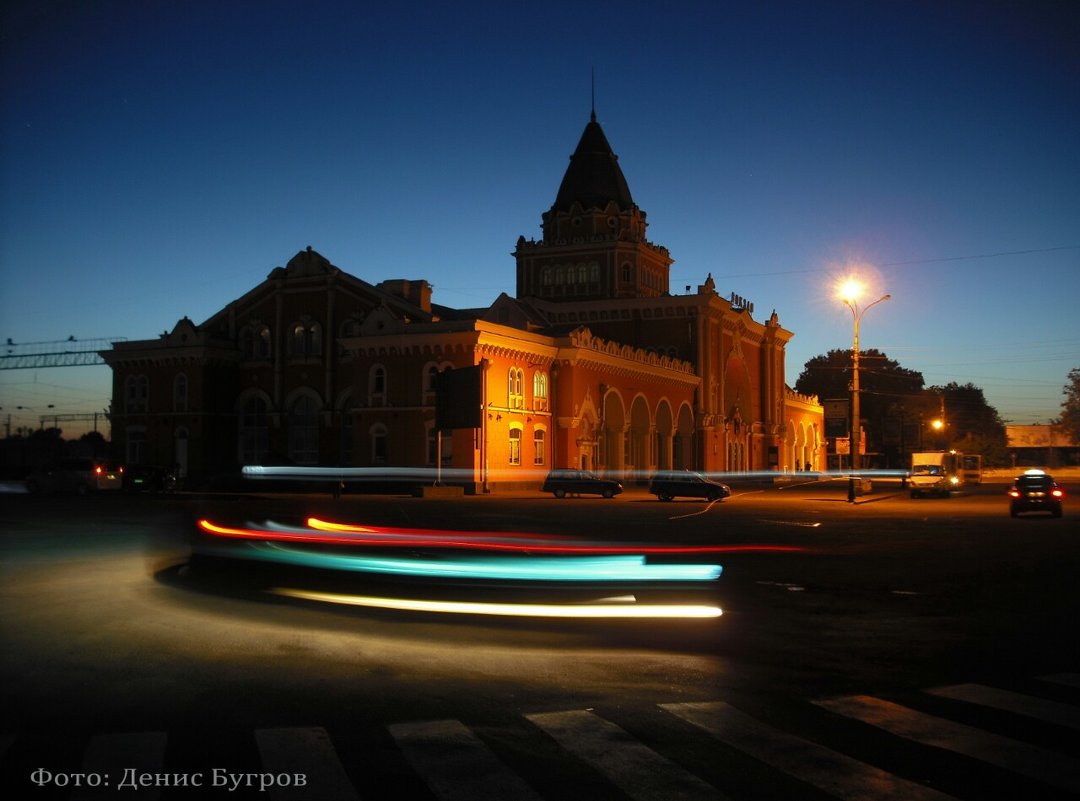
{"type": "Point", "coordinates": [579, 482]}
{"type": "Point", "coordinates": [1035, 491]}
{"type": "Point", "coordinates": [666, 486]}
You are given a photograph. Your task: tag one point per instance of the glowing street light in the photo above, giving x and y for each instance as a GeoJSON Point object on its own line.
{"type": "Point", "coordinates": [849, 292]}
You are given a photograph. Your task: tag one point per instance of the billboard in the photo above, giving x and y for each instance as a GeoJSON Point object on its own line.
{"type": "Point", "coordinates": [459, 398]}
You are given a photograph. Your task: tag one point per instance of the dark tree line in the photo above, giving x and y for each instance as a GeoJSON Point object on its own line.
{"type": "Point", "coordinates": [899, 411]}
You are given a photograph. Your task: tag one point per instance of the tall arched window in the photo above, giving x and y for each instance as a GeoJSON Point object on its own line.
{"type": "Point", "coordinates": [539, 447]}
{"type": "Point", "coordinates": [516, 390]}
{"type": "Point", "coordinates": [304, 431]}
{"type": "Point", "coordinates": [136, 393]}
{"type": "Point", "coordinates": [515, 446]}
{"type": "Point", "coordinates": [254, 432]}
{"type": "Point", "coordinates": [180, 392]}
{"type": "Point", "coordinates": [540, 390]}
{"type": "Point", "coordinates": [263, 348]}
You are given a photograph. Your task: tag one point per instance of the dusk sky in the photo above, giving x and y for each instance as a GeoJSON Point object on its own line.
{"type": "Point", "coordinates": [160, 158]}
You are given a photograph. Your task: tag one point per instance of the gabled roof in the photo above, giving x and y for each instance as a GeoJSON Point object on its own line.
{"type": "Point", "coordinates": [594, 177]}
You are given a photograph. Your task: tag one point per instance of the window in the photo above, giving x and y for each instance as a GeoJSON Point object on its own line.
{"type": "Point", "coordinates": [516, 393]}
{"type": "Point", "coordinates": [305, 339]}
{"type": "Point", "coordinates": [433, 446]}
{"type": "Point", "coordinates": [255, 342]}
{"type": "Point", "coordinates": [304, 431]}
{"type": "Point", "coordinates": [515, 446]}
{"type": "Point", "coordinates": [627, 273]}
{"type": "Point", "coordinates": [136, 393]}
{"type": "Point", "coordinates": [262, 343]}
{"type": "Point", "coordinates": [180, 393]}
{"type": "Point", "coordinates": [253, 431]}
{"type": "Point", "coordinates": [377, 385]}
{"type": "Point", "coordinates": [540, 390]}
{"type": "Point", "coordinates": [135, 445]}
{"type": "Point", "coordinates": [539, 446]}
{"type": "Point", "coordinates": [378, 443]}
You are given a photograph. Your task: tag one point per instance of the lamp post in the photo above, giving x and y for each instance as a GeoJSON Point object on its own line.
{"type": "Point", "coordinates": [849, 293]}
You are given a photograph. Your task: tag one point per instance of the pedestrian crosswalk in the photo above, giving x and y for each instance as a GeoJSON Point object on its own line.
{"type": "Point", "coordinates": [824, 747]}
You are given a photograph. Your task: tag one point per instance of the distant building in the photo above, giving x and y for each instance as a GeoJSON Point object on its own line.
{"type": "Point", "coordinates": [593, 364]}
{"type": "Point", "coordinates": [1041, 446]}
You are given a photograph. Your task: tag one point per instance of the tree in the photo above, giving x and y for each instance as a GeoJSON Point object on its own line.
{"type": "Point", "coordinates": [889, 398]}
{"type": "Point", "coordinates": [1070, 409]}
{"type": "Point", "coordinates": [971, 424]}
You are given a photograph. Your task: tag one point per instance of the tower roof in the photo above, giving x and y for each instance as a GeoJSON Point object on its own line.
{"type": "Point", "coordinates": [593, 177]}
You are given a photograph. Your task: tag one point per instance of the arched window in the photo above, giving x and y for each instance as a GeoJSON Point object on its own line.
{"type": "Point", "coordinates": [297, 339]}
{"type": "Point", "coordinates": [180, 392]}
{"type": "Point", "coordinates": [254, 436]}
{"type": "Point", "coordinates": [540, 390]}
{"type": "Point", "coordinates": [433, 446]}
{"type": "Point", "coordinates": [516, 393]}
{"type": "Point", "coordinates": [305, 339]}
{"type": "Point", "coordinates": [539, 447]}
{"type": "Point", "coordinates": [263, 349]}
{"type": "Point", "coordinates": [515, 446]}
{"type": "Point", "coordinates": [136, 394]}
{"type": "Point", "coordinates": [304, 431]}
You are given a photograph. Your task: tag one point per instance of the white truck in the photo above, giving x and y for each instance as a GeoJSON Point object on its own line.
{"type": "Point", "coordinates": [935, 473]}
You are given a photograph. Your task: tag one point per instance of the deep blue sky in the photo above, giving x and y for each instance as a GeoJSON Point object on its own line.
{"type": "Point", "coordinates": [160, 158]}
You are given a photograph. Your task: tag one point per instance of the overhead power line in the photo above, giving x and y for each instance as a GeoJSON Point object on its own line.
{"type": "Point", "coordinates": [70, 352]}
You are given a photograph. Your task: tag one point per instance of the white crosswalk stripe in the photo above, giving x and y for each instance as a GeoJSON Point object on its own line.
{"type": "Point", "coordinates": [637, 770]}
{"type": "Point", "coordinates": [1067, 679]}
{"type": "Point", "coordinates": [114, 755]}
{"type": "Point", "coordinates": [1040, 708]}
{"type": "Point", "coordinates": [456, 764]}
{"type": "Point", "coordinates": [814, 764]}
{"type": "Point", "coordinates": [306, 752]}
{"type": "Point", "coordinates": [1020, 757]}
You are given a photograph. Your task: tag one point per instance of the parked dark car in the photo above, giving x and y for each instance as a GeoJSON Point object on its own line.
{"type": "Point", "coordinates": [1035, 491]}
{"type": "Point", "coordinates": [147, 478]}
{"type": "Point", "coordinates": [667, 486]}
{"type": "Point", "coordinates": [579, 482]}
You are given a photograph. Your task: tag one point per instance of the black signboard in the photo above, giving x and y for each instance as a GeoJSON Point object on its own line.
{"type": "Point", "coordinates": [459, 398]}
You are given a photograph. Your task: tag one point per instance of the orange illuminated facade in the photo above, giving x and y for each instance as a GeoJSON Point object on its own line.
{"type": "Point", "coordinates": [593, 364]}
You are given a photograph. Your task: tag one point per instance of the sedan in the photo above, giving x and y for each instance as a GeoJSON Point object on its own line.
{"type": "Point", "coordinates": [1035, 491]}
{"type": "Point", "coordinates": [667, 486]}
{"type": "Point", "coordinates": [561, 483]}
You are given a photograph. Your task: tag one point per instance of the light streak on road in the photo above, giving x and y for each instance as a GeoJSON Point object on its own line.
{"type": "Point", "coordinates": [598, 610]}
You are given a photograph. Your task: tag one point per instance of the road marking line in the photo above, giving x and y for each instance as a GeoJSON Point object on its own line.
{"type": "Point", "coordinates": [635, 769]}
{"type": "Point", "coordinates": [307, 751]}
{"type": "Point", "coordinates": [828, 770]}
{"type": "Point", "coordinates": [1067, 679]}
{"type": "Point", "coordinates": [456, 764]}
{"type": "Point", "coordinates": [1027, 705]}
{"type": "Point", "coordinates": [119, 754]}
{"type": "Point", "coordinates": [1019, 757]}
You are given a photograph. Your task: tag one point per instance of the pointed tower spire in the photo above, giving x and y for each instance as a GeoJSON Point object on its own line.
{"type": "Point", "coordinates": [592, 115]}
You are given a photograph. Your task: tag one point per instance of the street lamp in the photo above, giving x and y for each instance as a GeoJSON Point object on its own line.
{"type": "Point", "coordinates": [849, 293]}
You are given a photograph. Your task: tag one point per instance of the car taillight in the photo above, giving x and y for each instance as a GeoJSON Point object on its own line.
{"type": "Point", "coordinates": [1058, 493]}
{"type": "Point", "coordinates": [99, 470]}
{"type": "Point", "coordinates": [1015, 493]}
